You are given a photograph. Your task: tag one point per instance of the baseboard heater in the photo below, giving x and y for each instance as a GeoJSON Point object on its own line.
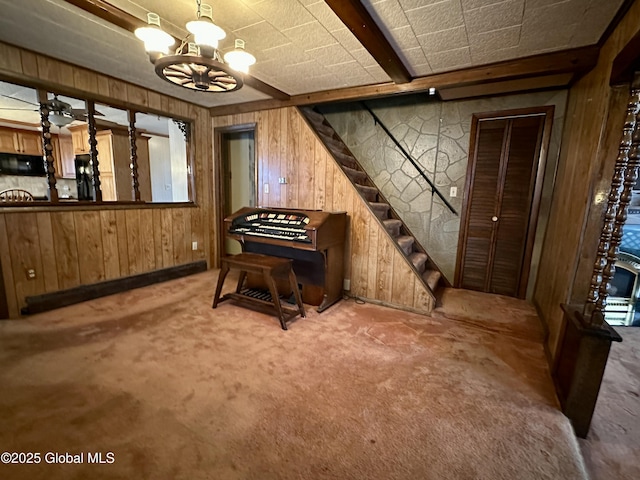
{"type": "Point", "coordinates": [62, 298]}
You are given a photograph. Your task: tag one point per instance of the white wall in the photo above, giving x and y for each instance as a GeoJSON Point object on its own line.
{"type": "Point", "coordinates": [160, 169]}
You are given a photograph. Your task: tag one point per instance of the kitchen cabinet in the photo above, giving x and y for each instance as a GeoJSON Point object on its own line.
{"type": "Point", "coordinates": [23, 142]}
{"type": "Point", "coordinates": [80, 138]}
{"type": "Point", "coordinates": [64, 156]}
{"type": "Point", "coordinates": [30, 143]}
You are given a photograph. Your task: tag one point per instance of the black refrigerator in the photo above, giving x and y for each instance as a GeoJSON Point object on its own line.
{"type": "Point", "coordinates": [84, 177]}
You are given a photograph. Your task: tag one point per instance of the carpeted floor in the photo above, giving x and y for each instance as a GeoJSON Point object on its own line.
{"type": "Point", "coordinates": [612, 448]}
{"type": "Point", "coordinates": [177, 390]}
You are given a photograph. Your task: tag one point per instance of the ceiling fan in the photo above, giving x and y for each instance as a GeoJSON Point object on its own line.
{"type": "Point", "coordinates": [60, 113]}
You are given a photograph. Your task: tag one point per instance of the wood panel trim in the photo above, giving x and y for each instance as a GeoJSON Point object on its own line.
{"type": "Point", "coordinates": [626, 62]}
{"type": "Point", "coordinates": [577, 61]}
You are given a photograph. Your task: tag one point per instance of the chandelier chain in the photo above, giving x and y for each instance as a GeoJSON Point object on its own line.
{"type": "Point", "coordinates": [198, 2]}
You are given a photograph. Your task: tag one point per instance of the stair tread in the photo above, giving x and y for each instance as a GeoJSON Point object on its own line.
{"type": "Point", "coordinates": [379, 204]}
{"type": "Point", "coordinates": [313, 115]}
{"type": "Point", "coordinates": [405, 239]}
{"type": "Point", "coordinates": [419, 260]}
{"type": "Point", "coordinates": [392, 221]}
{"type": "Point", "coordinates": [366, 188]}
{"type": "Point", "coordinates": [354, 174]}
{"type": "Point", "coordinates": [431, 278]}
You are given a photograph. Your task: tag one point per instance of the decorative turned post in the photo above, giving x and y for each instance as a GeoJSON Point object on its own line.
{"type": "Point", "coordinates": [93, 150]}
{"type": "Point", "coordinates": [47, 148]}
{"type": "Point", "coordinates": [604, 266]}
{"type": "Point", "coordinates": [134, 156]}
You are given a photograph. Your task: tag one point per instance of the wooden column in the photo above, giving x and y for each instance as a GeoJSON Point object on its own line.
{"type": "Point", "coordinates": [47, 147]}
{"type": "Point", "coordinates": [134, 156]}
{"type": "Point", "coordinates": [93, 150]}
{"type": "Point", "coordinates": [586, 341]}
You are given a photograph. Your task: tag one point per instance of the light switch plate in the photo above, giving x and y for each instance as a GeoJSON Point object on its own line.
{"type": "Point", "coordinates": [194, 245]}
{"type": "Point", "coordinates": [266, 188]}
{"type": "Point", "coordinates": [453, 192]}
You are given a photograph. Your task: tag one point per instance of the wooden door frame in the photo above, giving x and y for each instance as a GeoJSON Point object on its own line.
{"type": "Point", "coordinates": [218, 140]}
{"type": "Point", "coordinates": [547, 112]}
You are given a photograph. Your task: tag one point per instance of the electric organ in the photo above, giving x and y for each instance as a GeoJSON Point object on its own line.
{"type": "Point", "coordinates": [313, 239]}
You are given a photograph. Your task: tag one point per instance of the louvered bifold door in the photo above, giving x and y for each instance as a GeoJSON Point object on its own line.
{"type": "Point", "coordinates": [499, 205]}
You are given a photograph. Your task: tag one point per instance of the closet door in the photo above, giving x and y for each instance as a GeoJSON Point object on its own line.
{"type": "Point", "coordinates": [499, 216]}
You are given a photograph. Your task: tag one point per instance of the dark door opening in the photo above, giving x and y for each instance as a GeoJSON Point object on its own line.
{"type": "Point", "coordinates": [238, 175]}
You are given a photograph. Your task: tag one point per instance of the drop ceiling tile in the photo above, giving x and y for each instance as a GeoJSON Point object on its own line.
{"type": "Point", "coordinates": [414, 57]}
{"type": "Point", "coordinates": [347, 39]}
{"type": "Point", "coordinates": [486, 42]}
{"type": "Point", "coordinates": [405, 38]}
{"type": "Point", "coordinates": [310, 69]}
{"type": "Point", "coordinates": [276, 54]}
{"type": "Point", "coordinates": [493, 56]}
{"type": "Point", "coordinates": [330, 54]}
{"type": "Point", "coordinates": [422, 70]}
{"type": "Point", "coordinates": [436, 17]}
{"type": "Point", "coordinates": [388, 15]}
{"type": "Point", "coordinates": [450, 60]}
{"type": "Point", "coordinates": [444, 40]}
{"type": "Point", "coordinates": [261, 36]}
{"type": "Point", "coordinates": [309, 35]}
{"type": "Point", "coordinates": [548, 28]}
{"type": "Point", "coordinates": [412, 4]}
{"type": "Point", "coordinates": [283, 15]}
{"type": "Point", "coordinates": [595, 21]}
{"type": "Point", "coordinates": [364, 58]}
{"type": "Point", "coordinates": [377, 73]}
{"type": "Point", "coordinates": [472, 4]}
{"type": "Point", "coordinates": [327, 18]}
{"type": "Point", "coordinates": [545, 3]}
{"type": "Point", "coordinates": [416, 62]}
{"type": "Point", "coordinates": [494, 17]}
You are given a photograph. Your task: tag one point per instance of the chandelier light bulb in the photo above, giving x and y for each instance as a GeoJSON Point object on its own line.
{"type": "Point", "coordinates": [204, 31]}
{"type": "Point", "coordinates": [239, 59]}
{"type": "Point", "coordinates": [154, 38]}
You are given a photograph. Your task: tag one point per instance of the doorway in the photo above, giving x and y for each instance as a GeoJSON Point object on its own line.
{"type": "Point", "coordinates": [502, 198]}
{"type": "Point", "coordinates": [238, 174]}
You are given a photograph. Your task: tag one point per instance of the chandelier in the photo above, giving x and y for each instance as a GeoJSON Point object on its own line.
{"type": "Point", "coordinates": [197, 64]}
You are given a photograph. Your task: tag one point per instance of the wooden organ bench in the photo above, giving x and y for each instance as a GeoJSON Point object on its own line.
{"type": "Point", "coordinates": [270, 268]}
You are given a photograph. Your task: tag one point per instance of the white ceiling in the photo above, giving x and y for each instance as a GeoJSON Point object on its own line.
{"type": "Point", "coordinates": [301, 46]}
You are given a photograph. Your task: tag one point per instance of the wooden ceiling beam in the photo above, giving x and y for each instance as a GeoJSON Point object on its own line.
{"type": "Point", "coordinates": [125, 20]}
{"type": "Point", "coordinates": [356, 17]}
{"type": "Point", "coordinates": [557, 69]}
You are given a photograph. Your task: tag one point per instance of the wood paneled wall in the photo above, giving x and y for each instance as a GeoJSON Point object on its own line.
{"type": "Point", "coordinates": [69, 246]}
{"type": "Point", "coordinates": [287, 147]}
{"type": "Point", "coordinates": [593, 128]}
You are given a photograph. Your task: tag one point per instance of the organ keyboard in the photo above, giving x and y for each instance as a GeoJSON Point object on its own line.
{"type": "Point", "coordinates": [313, 239]}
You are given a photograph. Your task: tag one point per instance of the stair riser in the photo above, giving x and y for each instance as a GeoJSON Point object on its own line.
{"type": "Point", "coordinates": [394, 231]}
{"type": "Point", "coordinates": [355, 176]}
{"type": "Point", "coordinates": [369, 197]}
{"type": "Point", "coordinates": [381, 213]}
{"type": "Point", "coordinates": [346, 161]}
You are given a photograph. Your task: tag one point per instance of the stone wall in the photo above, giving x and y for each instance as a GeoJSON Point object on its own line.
{"type": "Point", "coordinates": [436, 134]}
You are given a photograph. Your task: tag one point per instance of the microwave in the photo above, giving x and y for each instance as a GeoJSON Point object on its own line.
{"type": "Point", "coordinates": [13, 164]}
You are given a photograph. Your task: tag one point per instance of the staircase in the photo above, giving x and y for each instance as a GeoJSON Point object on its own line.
{"type": "Point", "coordinates": [423, 265]}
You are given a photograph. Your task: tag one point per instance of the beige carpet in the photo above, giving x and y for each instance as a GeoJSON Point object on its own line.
{"type": "Point", "coordinates": [177, 390]}
{"type": "Point", "coordinates": [612, 448]}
